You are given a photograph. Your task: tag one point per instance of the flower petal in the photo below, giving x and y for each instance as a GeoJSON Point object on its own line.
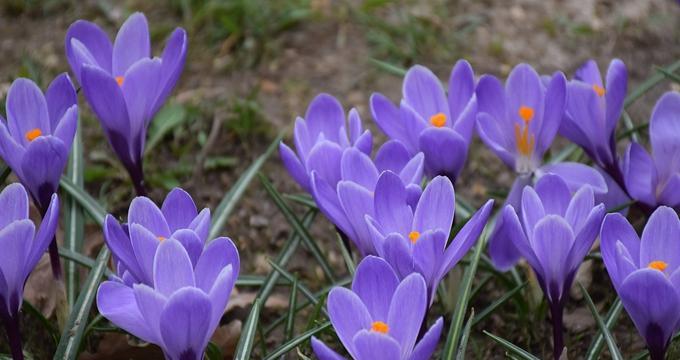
{"type": "Point", "coordinates": [375, 346]}
{"type": "Point", "coordinates": [42, 166]}
{"type": "Point", "coordinates": [617, 87]}
{"type": "Point", "coordinates": [552, 241]}
{"type": "Point", "coordinates": [92, 38]}
{"type": "Point", "coordinates": [554, 193]}
{"type": "Point", "coordinates": [660, 238]}
{"type": "Point", "coordinates": [144, 212]}
{"type": "Point", "coordinates": [117, 303]}
{"type": "Point", "coordinates": [60, 96]}
{"type": "Point", "coordinates": [436, 207]}
{"type": "Point", "coordinates": [26, 110]}
{"type": "Point", "coordinates": [325, 116]}
{"type": "Point", "coordinates": [407, 311]}
{"type": "Point", "coordinates": [617, 230]}
{"type": "Point", "coordinates": [390, 204]}
{"type": "Point", "coordinates": [357, 202]}
{"type": "Point", "coordinates": [323, 352]}
{"type": "Point", "coordinates": [217, 255]}
{"type": "Point", "coordinates": [640, 174]}
{"type": "Point", "coordinates": [461, 87]}
{"type": "Point", "coordinates": [664, 130]}
{"type": "Point", "coordinates": [178, 209]}
{"type": "Point", "coordinates": [424, 93]}
{"type": "Point", "coordinates": [341, 303]}
{"type": "Point", "coordinates": [375, 283]}
{"type": "Point", "coordinates": [131, 45]}
{"type": "Point", "coordinates": [294, 166]}
{"type": "Point", "coordinates": [358, 168]}
{"type": "Point", "coordinates": [185, 324]}
{"type": "Point", "coordinates": [172, 268]}
{"type": "Point", "coordinates": [428, 343]}
{"type": "Point", "coordinates": [445, 151]}
{"type": "Point", "coordinates": [555, 99]}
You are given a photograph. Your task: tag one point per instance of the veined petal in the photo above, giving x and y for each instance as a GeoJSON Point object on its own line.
{"type": "Point", "coordinates": [617, 87]}
{"type": "Point", "coordinates": [117, 303]}
{"type": "Point", "coordinates": [42, 166]}
{"type": "Point", "coordinates": [555, 99]}
{"type": "Point", "coordinates": [357, 167]}
{"type": "Point", "coordinates": [185, 324]}
{"type": "Point", "coordinates": [552, 242]}
{"type": "Point", "coordinates": [664, 130]}
{"type": "Point", "coordinates": [617, 230]}
{"type": "Point", "coordinates": [94, 39]}
{"type": "Point", "coordinates": [144, 212]}
{"type": "Point", "coordinates": [390, 204]}
{"type": "Point", "coordinates": [325, 116]}
{"type": "Point", "coordinates": [132, 44]}
{"type": "Point", "coordinates": [388, 118]}
{"type": "Point", "coordinates": [294, 166]}
{"type": "Point", "coordinates": [407, 311]}
{"type": "Point", "coordinates": [424, 93]}
{"type": "Point", "coordinates": [172, 268]}
{"type": "Point", "coordinates": [445, 151]}
{"type": "Point", "coordinates": [375, 346]}
{"type": "Point", "coordinates": [461, 87]}
{"type": "Point", "coordinates": [173, 58]}
{"type": "Point", "coordinates": [178, 209]}
{"type": "Point", "coordinates": [341, 303]}
{"type": "Point", "coordinates": [640, 174]}
{"type": "Point", "coordinates": [26, 110]}
{"type": "Point", "coordinates": [216, 256]}
{"type": "Point", "coordinates": [428, 343]}
{"type": "Point", "coordinates": [323, 352]}
{"type": "Point", "coordinates": [60, 96]}
{"type": "Point", "coordinates": [660, 239]}
{"type": "Point", "coordinates": [375, 283]}
{"type": "Point", "coordinates": [436, 207]}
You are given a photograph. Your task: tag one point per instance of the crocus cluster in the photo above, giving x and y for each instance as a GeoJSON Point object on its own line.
{"type": "Point", "coordinates": [381, 316]}
{"type": "Point", "coordinates": [171, 288]}
{"type": "Point", "coordinates": [22, 247]}
{"type": "Point", "coordinates": [645, 274]}
{"type": "Point", "coordinates": [123, 84]}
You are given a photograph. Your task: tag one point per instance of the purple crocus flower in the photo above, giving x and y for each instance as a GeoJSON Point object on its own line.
{"type": "Point", "coordinates": [428, 121]}
{"type": "Point", "coordinates": [343, 187]}
{"type": "Point", "coordinates": [380, 318]}
{"type": "Point", "coordinates": [655, 179]}
{"type": "Point", "coordinates": [134, 244]}
{"type": "Point", "coordinates": [416, 240]}
{"type": "Point", "coordinates": [123, 84]}
{"type": "Point", "coordinates": [182, 307]}
{"type": "Point", "coordinates": [322, 136]}
{"type": "Point", "coordinates": [37, 139]}
{"type": "Point", "coordinates": [555, 233]}
{"type": "Point", "coordinates": [22, 247]}
{"type": "Point", "coordinates": [518, 124]}
{"type": "Point", "coordinates": [645, 273]}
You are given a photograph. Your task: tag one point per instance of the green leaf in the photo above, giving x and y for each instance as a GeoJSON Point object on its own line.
{"type": "Point", "coordinates": [500, 301]}
{"type": "Point", "coordinates": [466, 335]}
{"type": "Point", "coordinates": [298, 227]}
{"type": "Point", "coordinates": [512, 348]}
{"type": "Point", "coordinates": [303, 289]}
{"type": "Point", "coordinates": [169, 117]}
{"type": "Point", "coordinates": [349, 262]}
{"type": "Point", "coordinates": [650, 83]}
{"type": "Point", "coordinates": [611, 343]}
{"type": "Point", "coordinates": [4, 173]}
{"type": "Point", "coordinates": [230, 199]}
{"type": "Point", "coordinates": [69, 345]}
{"type": "Point", "coordinates": [463, 298]}
{"type": "Point", "coordinates": [74, 222]}
{"type": "Point", "coordinates": [80, 259]}
{"type": "Point", "coordinates": [290, 321]}
{"type": "Point", "coordinates": [245, 343]}
{"type": "Point", "coordinates": [611, 319]}
{"type": "Point", "coordinates": [213, 352]}
{"type": "Point", "coordinates": [84, 199]}
{"type": "Point", "coordinates": [290, 345]}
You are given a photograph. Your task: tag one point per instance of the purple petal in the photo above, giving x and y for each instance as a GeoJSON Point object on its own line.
{"type": "Point", "coordinates": [640, 174]}
{"type": "Point", "coordinates": [119, 242]}
{"type": "Point", "coordinates": [192, 244]}
{"type": "Point", "coordinates": [407, 311]}
{"type": "Point", "coordinates": [388, 118]}
{"type": "Point", "coordinates": [466, 237]}
{"type": "Point", "coordinates": [587, 115]}
{"type": "Point", "coordinates": [576, 175]}
{"type": "Point", "coordinates": [376, 346]}
{"type": "Point", "coordinates": [325, 116]}
{"type": "Point", "coordinates": [397, 253]}
{"type": "Point", "coordinates": [323, 352]}
{"type": "Point", "coordinates": [461, 87]}
{"type": "Point", "coordinates": [428, 343]}
{"type": "Point", "coordinates": [44, 234]}
{"type": "Point", "coordinates": [392, 156]}
{"type": "Point", "coordinates": [327, 200]}
{"type": "Point", "coordinates": [144, 244]}
{"type": "Point", "coordinates": [428, 255]}
{"type": "Point", "coordinates": [532, 209]}
{"type": "Point", "coordinates": [131, 45]}
{"type": "Point", "coordinates": [664, 130]}
{"type": "Point", "coordinates": [294, 166]}
{"type": "Point", "coordinates": [357, 202]}
{"type": "Point", "coordinates": [67, 125]}
{"type": "Point", "coordinates": [617, 87]}
{"type": "Point", "coordinates": [150, 304]}
{"type": "Point", "coordinates": [615, 196]}
{"type": "Point", "coordinates": [178, 209]}
{"type": "Point", "coordinates": [357, 167]}
{"type": "Point", "coordinates": [552, 241]}
{"type": "Point", "coordinates": [26, 110]}
{"type": "Point", "coordinates": [42, 166]}
{"type": "Point", "coordinates": [375, 283]}
{"type": "Point", "coordinates": [144, 212]}
{"type": "Point", "coordinates": [660, 238]}
{"type": "Point", "coordinates": [491, 100]}
{"type": "Point", "coordinates": [589, 73]}
{"type": "Point", "coordinates": [424, 93]}
{"type": "Point", "coordinates": [11, 151]}
{"type": "Point", "coordinates": [172, 268]}
{"type": "Point", "coordinates": [523, 88]}
{"type": "Point", "coordinates": [365, 142]}
{"type": "Point", "coordinates": [220, 292]}
{"type": "Point", "coordinates": [554, 193]}
{"type": "Point", "coordinates": [348, 316]}
{"type": "Point", "coordinates": [173, 57]}
{"type": "Point", "coordinates": [585, 237]}
{"type": "Point", "coordinates": [60, 96]}
{"type": "Point", "coordinates": [95, 40]}
{"type": "Point", "coordinates": [555, 99]}
{"type": "Point", "coordinates": [445, 151]}
{"type": "Point", "coordinates": [515, 235]}
{"type": "Point", "coordinates": [617, 230]}
{"type": "Point", "coordinates": [185, 324]}
{"type": "Point", "coordinates": [325, 159]}
{"type": "Point", "coordinates": [502, 250]}
{"type": "Point", "coordinates": [219, 254]}
{"type": "Point", "coordinates": [496, 137]}
{"type": "Point", "coordinates": [201, 224]}
{"type": "Point", "coordinates": [117, 303]}
{"type": "Point", "coordinates": [15, 242]}
{"type": "Point", "coordinates": [670, 195]}
{"type": "Point", "coordinates": [140, 87]}
{"type": "Point", "coordinates": [14, 204]}
{"type": "Point", "coordinates": [390, 204]}
{"type": "Point", "coordinates": [436, 207]}
{"type": "Point", "coordinates": [579, 208]}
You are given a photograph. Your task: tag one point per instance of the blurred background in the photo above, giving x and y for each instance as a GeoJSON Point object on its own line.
{"type": "Point", "coordinates": [253, 65]}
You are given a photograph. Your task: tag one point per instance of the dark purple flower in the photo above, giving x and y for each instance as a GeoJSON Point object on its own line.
{"type": "Point", "coordinates": [555, 233]}
{"type": "Point", "coordinates": [655, 179]}
{"type": "Point", "coordinates": [180, 310]}
{"type": "Point", "coordinates": [380, 318]}
{"type": "Point", "coordinates": [134, 244]}
{"type": "Point", "coordinates": [428, 121]}
{"type": "Point", "coordinates": [22, 247]}
{"type": "Point", "coordinates": [123, 84]}
{"type": "Point", "coordinates": [594, 109]}
{"type": "Point", "coordinates": [343, 186]}
{"type": "Point", "coordinates": [645, 274]}
{"type": "Point", "coordinates": [37, 138]}
{"type": "Point", "coordinates": [416, 240]}
{"type": "Point", "coordinates": [321, 137]}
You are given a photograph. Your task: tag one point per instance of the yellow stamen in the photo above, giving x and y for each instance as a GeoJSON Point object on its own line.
{"type": "Point", "coordinates": [658, 265]}
{"type": "Point", "coordinates": [438, 120]}
{"type": "Point", "coordinates": [119, 80]}
{"type": "Point", "coordinates": [525, 142]}
{"type": "Point", "coordinates": [160, 238]}
{"type": "Point", "coordinates": [413, 236]}
{"type": "Point", "coordinates": [526, 113]}
{"type": "Point", "coordinates": [599, 90]}
{"type": "Point", "coordinates": [379, 326]}
{"type": "Point", "coordinates": [33, 134]}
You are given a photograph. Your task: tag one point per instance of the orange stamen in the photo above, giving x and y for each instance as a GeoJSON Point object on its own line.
{"type": "Point", "coordinates": [119, 80]}
{"type": "Point", "coordinates": [526, 113]}
{"type": "Point", "coordinates": [379, 326]}
{"type": "Point", "coordinates": [33, 134]}
{"type": "Point", "coordinates": [525, 142]}
{"type": "Point", "coordinates": [599, 90]}
{"type": "Point", "coordinates": [413, 236]}
{"type": "Point", "coordinates": [160, 238]}
{"type": "Point", "coordinates": [658, 265]}
{"type": "Point", "coordinates": [438, 120]}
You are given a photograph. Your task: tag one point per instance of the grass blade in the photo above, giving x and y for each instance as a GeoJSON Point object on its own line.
{"type": "Point", "coordinates": [74, 222]}
{"type": "Point", "coordinates": [232, 197]}
{"type": "Point", "coordinates": [245, 343]}
{"type": "Point", "coordinates": [597, 344]}
{"type": "Point", "coordinates": [298, 227]}
{"type": "Point", "coordinates": [303, 289]}
{"type": "Point", "coordinates": [69, 345]}
{"type": "Point", "coordinates": [290, 321]}
{"type": "Point", "coordinates": [84, 199]}
{"type": "Point", "coordinates": [349, 262]}
{"type": "Point", "coordinates": [463, 298]}
{"type": "Point", "coordinates": [611, 343]}
{"type": "Point", "coordinates": [650, 83]}
{"type": "Point", "coordinates": [512, 348]}
{"type": "Point", "coordinates": [387, 67]}
{"type": "Point", "coordinates": [290, 345]}
{"type": "Point", "coordinates": [500, 301]}
{"type": "Point", "coordinates": [466, 335]}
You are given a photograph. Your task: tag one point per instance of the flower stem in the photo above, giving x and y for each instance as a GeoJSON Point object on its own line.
{"type": "Point", "coordinates": [14, 336]}
{"type": "Point", "coordinates": [556, 312]}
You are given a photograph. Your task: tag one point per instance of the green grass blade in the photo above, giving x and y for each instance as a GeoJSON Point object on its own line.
{"type": "Point", "coordinates": [500, 301]}
{"type": "Point", "coordinates": [290, 321]}
{"type": "Point", "coordinates": [387, 67]}
{"type": "Point", "coordinates": [512, 348]}
{"type": "Point", "coordinates": [169, 117]}
{"type": "Point", "coordinates": [611, 343]}
{"type": "Point", "coordinates": [463, 298]}
{"type": "Point", "coordinates": [611, 319]}
{"type": "Point", "coordinates": [80, 259]}
{"type": "Point", "coordinates": [466, 335]}
{"type": "Point", "coordinates": [4, 173]}
{"type": "Point", "coordinates": [69, 345]}
{"type": "Point", "coordinates": [298, 227]}
{"type": "Point", "coordinates": [245, 343]}
{"type": "Point", "coordinates": [232, 197]}
{"type": "Point", "coordinates": [84, 199]}
{"type": "Point", "coordinates": [213, 352]}
{"type": "Point", "coordinates": [74, 222]}
{"type": "Point", "coordinates": [290, 345]}
{"type": "Point", "coordinates": [349, 262]}
{"type": "Point", "coordinates": [650, 83]}
{"type": "Point", "coordinates": [303, 289]}
{"type": "Point", "coordinates": [669, 74]}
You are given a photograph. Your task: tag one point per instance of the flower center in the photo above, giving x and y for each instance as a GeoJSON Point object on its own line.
{"type": "Point", "coordinates": [658, 265]}
{"type": "Point", "coordinates": [379, 326]}
{"type": "Point", "coordinates": [413, 236]}
{"type": "Point", "coordinates": [119, 80]}
{"type": "Point", "coordinates": [526, 113]}
{"type": "Point", "coordinates": [33, 134]}
{"type": "Point", "coordinates": [599, 90]}
{"type": "Point", "coordinates": [525, 141]}
{"type": "Point", "coordinates": [160, 238]}
{"type": "Point", "coordinates": [438, 120]}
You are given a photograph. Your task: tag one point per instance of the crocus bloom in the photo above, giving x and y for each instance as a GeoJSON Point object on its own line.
{"type": "Point", "coordinates": [321, 135]}
{"type": "Point", "coordinates": [555, 233]}
{"type": "Point", "coordinates": [134, 244]}
{"type": "Point", "coordinates": [182, 308]}
{"type": "Point", "coordinates": [344, 183]}
{"type": "Point", "coordinates": [518, 124]}
{"type": "Point", "coordinates": [416, 241]}
{"type": "Point", "coordinates": [37, 138]}
{"type": "Point", "coordinates": [593, 110]}
{"type": "Point", "coordinates": [122, 83]}
{"type": "Point", "coordinates": [655, 179]}
{"type": "Point", "coordinates": [380, 318]}
{"type": "Point", "coordinates": [428, 121]}
{"type": "Point", "coordinates": [645, 273]}
{"type": "Point", "coordinates": [22, 247]}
